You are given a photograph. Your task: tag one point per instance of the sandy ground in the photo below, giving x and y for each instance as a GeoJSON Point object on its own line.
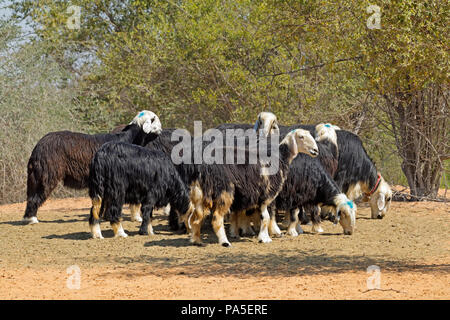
{"type": "Point", "coordinates": [411, 247]}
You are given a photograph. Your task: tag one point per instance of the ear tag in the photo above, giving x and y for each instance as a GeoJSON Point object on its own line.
{"type": "Point", "coordinates": [141, 114]}
{"type": "Point", "coordinates": [350, 204]}
{"type": "Point", "coordinates": [328, 125]}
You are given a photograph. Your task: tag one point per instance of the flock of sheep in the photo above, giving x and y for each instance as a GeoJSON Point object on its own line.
{"type": "Point", "coordinates": [321, 169]}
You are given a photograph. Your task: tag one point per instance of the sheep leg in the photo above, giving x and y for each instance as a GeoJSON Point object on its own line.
{"type": "Point", "coordinates": [264, 229]}
{"type": "Point", "coordinates": [166, 210]}
{"type": "Point", "coordinates": [37, 193]}
{"type": "Point", "coordinates": [234, 228]}
{"type": "Point", "coordinates": [114, 214]}
{"type": "Point", "coordinates": [287, 219]}
{"type": "Point", "coordinates": [94, 218]}
{"type": "Point", "coordinates": [294, 221]}
{"type": "Point", "coordinates": [315, 218]}
{"type": "Point", "coordinates": [219, 228]}
{"type": "Point", "coordinates": [135, 212]}
{"type": "Point", "coordinates": [146, 227]}
{"type": "Point", "coordinates": [194, 223]}
{"type": "Point", "coordinates": [244, 220]}
{"type": "Point", "coordinates": [273, 226]}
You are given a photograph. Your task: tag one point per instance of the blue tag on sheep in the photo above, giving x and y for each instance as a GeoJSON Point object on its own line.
{"type": "Point", "coordinates": [350, 204]}
{"type": "Point", "coordinates": [141, 114]}
{"type": "Point", "coordinates": [328, 125]}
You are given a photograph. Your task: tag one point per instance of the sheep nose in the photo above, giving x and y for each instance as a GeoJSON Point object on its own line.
{"type": "Point", "coordinates": [380, 216]}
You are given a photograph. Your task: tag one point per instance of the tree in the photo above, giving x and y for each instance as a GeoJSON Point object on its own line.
{"type": "Point", "coordinates": [403, 57]}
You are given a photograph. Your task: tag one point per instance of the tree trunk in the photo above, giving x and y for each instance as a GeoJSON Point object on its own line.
{"type": "Point", "coordinates": [420, 121]}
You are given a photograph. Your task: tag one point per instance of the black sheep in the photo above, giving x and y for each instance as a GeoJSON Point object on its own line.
{"type": "Point", "coordinates": [357, 175]}
{"type": "Point", "coordinates": [238, 187]}
{"type": "Point", "coordinates": [65, 156]}
{"type": "Point", "coordinates": [123, 173]}
{"type": "Point", "coordinates": [309, 186]}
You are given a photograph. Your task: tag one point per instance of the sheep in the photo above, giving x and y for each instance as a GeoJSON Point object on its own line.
{"type": "Point", "coordinates": [65, 156]}
{"type": "Point", "coordinates": [124, 173]}
{"type": "Point", "coordinates": [238, 187]}
{"type": "Point", "coordinates": [356, 174]}
{"type": "Point", "coordinates": [309, 186]}
{"type": "Point", "coordinates": [266, 122]}
{"type": "Point", "coordinates": [328, 156]}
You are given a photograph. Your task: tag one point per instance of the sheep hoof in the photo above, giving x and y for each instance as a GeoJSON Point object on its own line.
{"type": "Point", "coordinates": [265, 240]}
{"type": "Point", "coordinates": [143, 232]}
{"type": "Point", "coordinates": [317, 230]}
{"type": "Point", "coordinates": [121, 235]}
{"type": "Point", "coordinates": [198, 244]}
{"type": "Point", "coordinates": [31, 220]}
{"type": "Point", "coordinates": [277, 235]}
{"type": "Point", "coordinates": [292, 233]}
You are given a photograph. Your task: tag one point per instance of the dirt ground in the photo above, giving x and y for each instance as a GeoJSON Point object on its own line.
{"type": "Point", "coordinates": [411, 246]}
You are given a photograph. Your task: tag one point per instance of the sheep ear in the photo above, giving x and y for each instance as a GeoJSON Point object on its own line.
{"type": "Point", "coordinates": [381, 202]}
{"type": "Point", "coordinates": [293, 145]}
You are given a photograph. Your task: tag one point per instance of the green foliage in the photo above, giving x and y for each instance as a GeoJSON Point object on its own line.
{"type": "Point", "coordinates": [225, 61]}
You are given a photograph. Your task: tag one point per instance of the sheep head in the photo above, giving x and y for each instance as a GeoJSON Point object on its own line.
{"type": "Point", "coordinates": [345, 213]}
{"type": "Point", "coordinates": [300, 140]}
{"type": "Point", "coordinates": [326, 131]}
{"type": "Point", "coordinates": [268, 122]}
{"type": "Point", "coordinates": [148, 121]}
{"type": "Point", "coordinates": [380, 200]}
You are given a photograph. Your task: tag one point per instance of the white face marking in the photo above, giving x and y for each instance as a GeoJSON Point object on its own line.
{"type": "Point", "coordinates": [326, 132]}
{"type": "Point", "coordinates": [148, 121]}
{"type": "Point", "coordinates": [300, 140]}
{"type": "Point", "coordinates": [267, 121]}
{"type": "Point", "coordinates": [347, 213]}
{"type": "Point", "coordinates": [380, 201]}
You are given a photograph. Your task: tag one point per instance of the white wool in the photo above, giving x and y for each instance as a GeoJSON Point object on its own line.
{"type": "Point", "coordinates": [148, 121]}
{"type": "Point", "coordinates": [267, 122]}
{"type": "Point", "coordinates": [341, 201]}
{"type": "Point", "coordinates": [326, 131]}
